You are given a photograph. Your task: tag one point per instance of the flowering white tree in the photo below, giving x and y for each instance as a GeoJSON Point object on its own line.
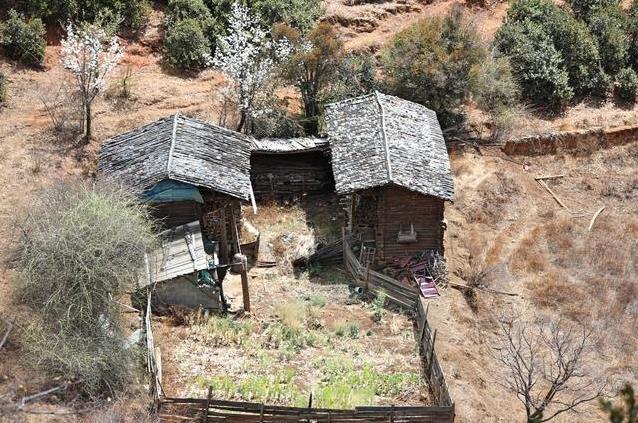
{"type": "Point", "coordinates": [248, 57]}
{"type": "Point", "coordinates": [91, 58]}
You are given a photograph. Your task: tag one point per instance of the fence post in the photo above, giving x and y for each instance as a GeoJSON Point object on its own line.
{"type": "Point", "coordinates": [210, 394]}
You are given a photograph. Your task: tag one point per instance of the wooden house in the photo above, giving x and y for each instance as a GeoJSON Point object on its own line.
{"type": "Point", "coordinates": [189, 170]}
{"type": "Point", "coordinates": [282, 168]}
{"type": "Point", "coordinates": [390, 163]}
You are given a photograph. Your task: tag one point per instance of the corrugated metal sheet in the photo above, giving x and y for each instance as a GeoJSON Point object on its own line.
{"type": "Point", "coordinates": [181, 253]}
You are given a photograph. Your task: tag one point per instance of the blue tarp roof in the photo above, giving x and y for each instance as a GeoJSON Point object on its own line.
{"type": "Point", "coordinates": [168, 191]}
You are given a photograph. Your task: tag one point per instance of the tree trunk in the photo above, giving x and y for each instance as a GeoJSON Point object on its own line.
{"type": "Point", "coordinates": [242, 121]}
{"type": "Point", "coordinates": [87, 117]}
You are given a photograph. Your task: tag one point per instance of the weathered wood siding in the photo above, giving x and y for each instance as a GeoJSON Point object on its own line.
{"type": "Point", "coordinates": [282, 175]}
{"type": "Point", "coordinates": [399, 206]}
{"type": "Point", "coordinates": [176, 213]}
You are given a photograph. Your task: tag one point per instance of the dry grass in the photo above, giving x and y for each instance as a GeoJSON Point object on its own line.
{"type": "Point", "coordinates": [496, 194]}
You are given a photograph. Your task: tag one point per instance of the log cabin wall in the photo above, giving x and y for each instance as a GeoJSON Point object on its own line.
{"type": "Point", "coordinates": [399, 206]}
{"type": "Point", "coordinates": [290, 174]}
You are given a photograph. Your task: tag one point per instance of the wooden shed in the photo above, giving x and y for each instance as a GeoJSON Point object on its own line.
{"type": "Point", "coordinates": [175, 271]}
{"type": "Point", "coordinates": [189, 170]}
{"type": "Point", "coordinates": [391, 166]}
{"type": "Point", "coordinates": [290, 167]}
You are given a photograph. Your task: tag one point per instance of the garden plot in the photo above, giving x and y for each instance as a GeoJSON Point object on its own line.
{"type": "Point", "coordinates": [307, 334]}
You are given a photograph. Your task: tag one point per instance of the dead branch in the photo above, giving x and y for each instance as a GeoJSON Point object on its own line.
{"type": "Point", "coordinates": [593, 219]}
{"type": "Point", "coordinates": [483, 288]}
{"type": "Point", "coordinates": [540, 178]}
{"type": "Point", "coordinates": [6, 334]}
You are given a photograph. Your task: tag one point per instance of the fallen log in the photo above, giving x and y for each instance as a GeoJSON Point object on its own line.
{"type": "Point", "coordinates": [542, 177]}
{"type": "Point", "coordinates": [544, 185]}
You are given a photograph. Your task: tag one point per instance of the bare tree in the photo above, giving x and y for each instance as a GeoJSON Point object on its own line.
{"type": "Point", "coordinates": [544, 366]}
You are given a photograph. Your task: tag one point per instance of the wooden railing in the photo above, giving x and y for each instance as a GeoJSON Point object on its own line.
{"type": "Point", "coordinates": [210, 410]}
{"type": "Point", "coordinates": [397, 293]}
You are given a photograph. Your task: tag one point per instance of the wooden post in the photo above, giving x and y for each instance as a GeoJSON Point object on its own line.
{"type": "Point", "coordinates": [244, 285]}
{"type": "Point", "coordinates": [210, 395]}
{"type": "Point", "coordinates": [223, 249]}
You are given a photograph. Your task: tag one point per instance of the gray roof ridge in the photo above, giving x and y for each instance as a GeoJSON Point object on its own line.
{"type": "Point", "coordinates": [172, 149]}
{"type": "Point", "coordinates": [384, 135]}
{"type": "Point", "coordinates": [351, 100]}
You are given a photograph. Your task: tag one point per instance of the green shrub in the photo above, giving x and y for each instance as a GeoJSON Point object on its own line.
{"type": "Point", "coordinates": [583, 8]}
{"type": "Point", "coordinates": [536, 64]}
{"type": "Point", "coordinates": [185, 44]}
{"type": "Point", "coordinates": [627, 84]}
{"type": "Point", "coordinates": [131, 14]}
{"type": "Point", "coordinates": [431, 62]}
{"type": "Point", "coordinates": [610, 29]}
{"type": "Point", "coordinates": [23, 39]}
{"type": "Point", "coordinates": [568, 36]}
{"type": "Point", "coordinates": [81, 247]}
{"type": "Point", "coordinates": [378, 306]}
{"type": "Point", "coordinates": [300, 14]}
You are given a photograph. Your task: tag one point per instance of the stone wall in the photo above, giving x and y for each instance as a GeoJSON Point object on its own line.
{"type": "Point", "coordinates": [578, 142]}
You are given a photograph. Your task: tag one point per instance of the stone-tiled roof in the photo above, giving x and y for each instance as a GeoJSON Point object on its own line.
{"type": "Point", "coordinates": [182, 149]}
{"type": "Point", "coordinates": [379, 139]}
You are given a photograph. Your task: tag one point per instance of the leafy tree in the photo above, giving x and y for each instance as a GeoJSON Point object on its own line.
{"type": "Point", "coordinates": [610, 29]}
{"type": "Point", "coordinates": [23, 39]}
{"type": "Point", "coordinates": [90, 58]}
{"type": "Point", "coordinates": [248, 58]}
{"type": "Point", "coordinates": [632, 16]}
{"type": "Point", "coordinates": [185, 44]}
{"type": "Point", "coordinates": [626, 411]}
{"type": "Point", "coordinates": [82, 246]}
{"type": "Point", "coordinates": [568, 36]}
{"type": "Point", "coordinates": [627, 84]}
{"type": "Point", "coordinates": [313, 66]}
{"type": "Point", "coordinates": [536, 64]}
{"type": "Point", "coordinates": [431, 62]}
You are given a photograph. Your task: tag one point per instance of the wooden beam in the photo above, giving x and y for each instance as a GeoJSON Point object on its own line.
{"type": "Point", "coordinates": [544, 185]}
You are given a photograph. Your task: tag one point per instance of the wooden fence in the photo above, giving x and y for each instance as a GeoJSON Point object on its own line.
{"type": "Point", "coordinates": [409, 299]}
{"type": "Point", "coordinates": [432, 371]}
{"type": "Point", "coordinates": [210, 410]}
{"type": "Point", "coordinates": [398, 294]}
{"type": "Point", "coordinates": [154, 357]}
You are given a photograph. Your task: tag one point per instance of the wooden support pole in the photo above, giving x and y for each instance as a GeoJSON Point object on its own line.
{"type": "Point", "coordinates": [431, 353]}
{"type": "Point", "coordinates": [223, 249]}
{"type": "Point", "coordinates": [244, 285]}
